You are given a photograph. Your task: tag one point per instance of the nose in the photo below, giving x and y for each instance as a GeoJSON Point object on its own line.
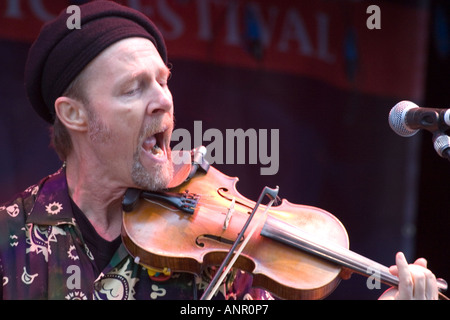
{"type": "Point", "coordinates": [160, 99]}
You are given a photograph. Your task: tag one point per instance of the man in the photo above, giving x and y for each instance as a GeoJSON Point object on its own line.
{"type": "Point", "coordinates": [104, 90]}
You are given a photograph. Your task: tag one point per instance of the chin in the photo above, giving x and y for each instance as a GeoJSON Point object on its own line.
{"type": "Point", "coordinates": [156, 178]}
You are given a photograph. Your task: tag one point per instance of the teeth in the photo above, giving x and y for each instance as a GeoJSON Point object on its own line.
{"type": "Point", "coordinates": [156, 150]}
{"type": "Point", "coordinates": [151, 144]}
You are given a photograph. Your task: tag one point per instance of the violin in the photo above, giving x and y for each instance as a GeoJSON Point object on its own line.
{"type": "Point", "coordinates": [293, 251]}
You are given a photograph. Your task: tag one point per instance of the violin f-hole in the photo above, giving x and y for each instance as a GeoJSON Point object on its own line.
{"type": "Point", "coordinates": [222, 191]}
{"type": "Point", "coordinates": [215, 238]}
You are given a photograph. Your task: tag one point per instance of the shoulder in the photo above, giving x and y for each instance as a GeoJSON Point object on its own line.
{"type": "Point", "coordinates": [23, 203]}
{"type": "Point", "coordinates": [14, 211]}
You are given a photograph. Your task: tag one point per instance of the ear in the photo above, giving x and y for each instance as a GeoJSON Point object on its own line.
{"type": "Point", "coordinates": [71, 113]}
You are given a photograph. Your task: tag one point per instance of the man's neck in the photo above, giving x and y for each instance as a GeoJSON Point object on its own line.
{"type": "Point", "coordinates": [98, 197]}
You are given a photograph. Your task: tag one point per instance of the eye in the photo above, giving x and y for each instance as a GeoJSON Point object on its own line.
{"type": "Point", "coordinates": [133, 90]}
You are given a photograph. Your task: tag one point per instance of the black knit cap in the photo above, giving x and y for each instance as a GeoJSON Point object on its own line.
{"type": "Point", "coordinates": [59, 53]}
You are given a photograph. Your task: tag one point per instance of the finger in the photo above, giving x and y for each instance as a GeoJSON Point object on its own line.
{"type": "Point", "coordinates": [421, 262]}
{"type": "Point", "coordinates": [419, 282]}
{"type": "Point", "coordinates": [405, 285]}
{"type": "Point", "coordinates": [431, 288]}
{"type": "Point", "coordinates": [432, 292]}
{"type": "Point", "coordinates": [393, 270]}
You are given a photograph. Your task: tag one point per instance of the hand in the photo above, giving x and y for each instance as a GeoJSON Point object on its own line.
{"type": "Point", "coordinates": [416, 282]}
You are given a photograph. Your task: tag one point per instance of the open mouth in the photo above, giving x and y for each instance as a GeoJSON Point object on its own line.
{"type": "Point", "coordinates": [154, 145]}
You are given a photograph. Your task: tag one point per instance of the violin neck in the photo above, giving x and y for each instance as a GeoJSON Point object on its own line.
{"type": "Point", "coordinates": [290, 235]}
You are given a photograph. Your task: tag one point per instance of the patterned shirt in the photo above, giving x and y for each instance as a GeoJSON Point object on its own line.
{"type": "Point", "coordinates": [43, 255]}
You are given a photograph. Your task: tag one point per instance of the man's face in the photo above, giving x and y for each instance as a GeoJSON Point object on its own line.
{"type": "Point", "coordinates": [131, 113]}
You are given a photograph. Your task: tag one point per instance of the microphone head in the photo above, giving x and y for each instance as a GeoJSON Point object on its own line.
{"type": "Point", "coordinates": [199, 154]}
{"type": "Point", "coordinates": [397, 118]}
{"type": "Point", "coordinates": [441, 143]}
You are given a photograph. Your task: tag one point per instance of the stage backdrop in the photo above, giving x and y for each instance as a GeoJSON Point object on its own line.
{"type": "Point", "coordinates": [283, 93]}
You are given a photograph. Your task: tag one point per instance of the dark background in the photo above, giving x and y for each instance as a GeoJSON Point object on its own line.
{"type": "Point", "coordinates": [433, 219]}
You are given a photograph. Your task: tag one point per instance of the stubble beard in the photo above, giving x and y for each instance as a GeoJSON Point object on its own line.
{"type": "Point", "coordinates": [160, 174]}
{"type": "Point", "coordinates": [160, 177]}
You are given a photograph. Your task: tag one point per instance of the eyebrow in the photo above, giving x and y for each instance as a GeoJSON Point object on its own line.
{"type": "Point", "coordinates": [164, 72]}
{"type": "Point", "coordinates": [140, 75]}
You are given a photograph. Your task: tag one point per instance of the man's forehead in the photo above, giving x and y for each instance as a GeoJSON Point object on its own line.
{"type": "Point", "coordinates": [122, 66]}
{"type": "Point", "coordinates": [128, 54]}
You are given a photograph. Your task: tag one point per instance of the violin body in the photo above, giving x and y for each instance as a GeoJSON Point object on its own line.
{"type": "Point", "coordinates": [163, 236]}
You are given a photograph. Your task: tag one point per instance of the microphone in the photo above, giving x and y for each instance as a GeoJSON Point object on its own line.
{"type": "Point", "coordinates": [441, 144]}
{"type": "Point", "coordinates": [406, 119]}
{"type": "Point", "coordinates": [198, 161]}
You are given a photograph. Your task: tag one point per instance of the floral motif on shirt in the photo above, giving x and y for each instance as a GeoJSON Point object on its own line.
{"type": "Point", "coordinates": [72, 253]}
{"type": "Point", "coordinates": [76, 295]}
{"type": "Point", "coordinates": [13, 210]}
{"type": "Point", "coordinates": [117, 284]}
{"type": "Point", "coordinates": [53, 208]}
{"type": "Point", "coordinates": [40, 237]}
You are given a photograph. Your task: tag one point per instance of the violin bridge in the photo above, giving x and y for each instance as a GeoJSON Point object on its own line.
{"type": "Point", "coordinates": [229, 214]}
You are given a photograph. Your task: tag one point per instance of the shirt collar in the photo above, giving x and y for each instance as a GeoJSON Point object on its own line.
{"type": "Point", "coordinates": [52, 206]}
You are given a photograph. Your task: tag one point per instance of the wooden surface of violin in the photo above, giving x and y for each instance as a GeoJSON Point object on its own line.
{"type": "Point", "coordinates": [164, 236]}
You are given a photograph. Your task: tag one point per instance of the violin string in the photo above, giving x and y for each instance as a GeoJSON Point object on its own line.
{"type": "Point", "coordinates": [238, 252]}
{"type": "Point", "coordinates": [212, 203]}
{"type": "Point", "coordinates": [208, 203]}
{"type": "Point", "coordinates": [159, 203]}
{"type": "Point", "coordinates": [221, 208]}
{"type": "Point", "coordinates": [203, 203]}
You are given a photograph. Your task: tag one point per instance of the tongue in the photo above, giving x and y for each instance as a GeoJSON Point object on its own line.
{"type": "Point", "coordinates": [149, 143]}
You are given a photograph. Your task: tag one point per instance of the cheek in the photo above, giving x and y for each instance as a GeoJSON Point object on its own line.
{"type": "Point", "coordinates": [119, 126]}
{"type": "Point", "coordinates": [117, 140]}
